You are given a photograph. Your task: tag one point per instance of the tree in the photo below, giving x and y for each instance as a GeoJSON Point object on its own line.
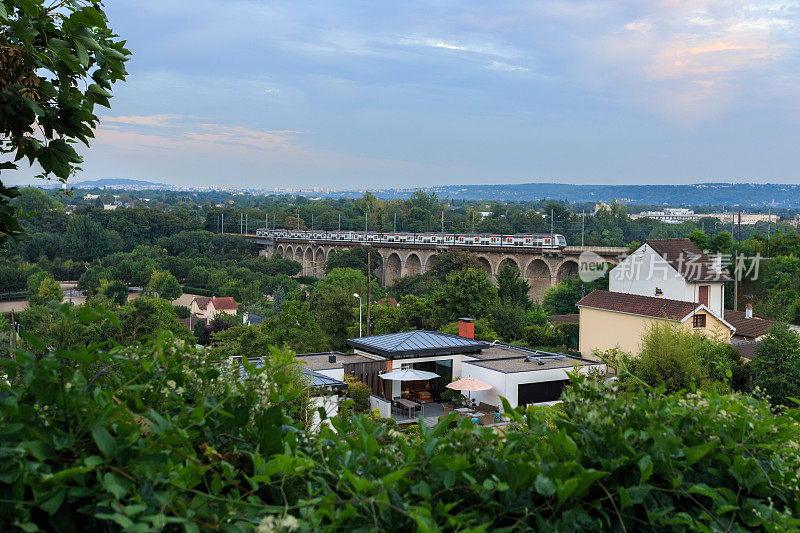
{"type": "Point", "coordinates": [700, 239]}
{"type": "Point", "coordinates": [42, 289]}
{"type": "Point", "coordinates": [511, 288]}
{"type": "Point", "coordinates": [561, 299]}
{"type": "Point", "coordinates": [354, 258]}
{"type": "Point", "coordinates": [469, 293]}
{"type": "Point", "coordinates": [452, 260]}
{"type": "Point", "coordinates": [115, 291]}
{"type": "Point", "coordinates": [676, 358]}
{"type": "Point", "coordinates": [32, 200]}
{"type": "Point", "coordinates": [58, 61]}
{"type": "Point", "coordinates": [84, 239]}
{"type": "Point", "coordinates": [91, 278]}
{"type": "Point", "coordinates": [776, 366]}
{"type": "Point", "coordinates": [165, 284]}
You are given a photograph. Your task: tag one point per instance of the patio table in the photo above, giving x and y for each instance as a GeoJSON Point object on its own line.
{"type": "Point", "coordinates": [408, 404]}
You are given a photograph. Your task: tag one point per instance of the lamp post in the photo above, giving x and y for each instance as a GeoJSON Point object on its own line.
{"type": "Point", "coordinates": [355, 295]}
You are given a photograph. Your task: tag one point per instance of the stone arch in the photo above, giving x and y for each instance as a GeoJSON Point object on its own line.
{"type": "Point", "coordinates": [319, 263]}
{"type": "Point", "coordinates": [511, 261]}
{"type": "Point", "coordinates": [279, 250]}
{"type": "Point", "coordinates": [539, 278]}
{"type": "Point", "coordinates": [485, 265]}
{"type": "Point", "coordinates": [568, 269]}
{"type": "Point", "coordinates": [393, 269]}
{"type": "Point", "coordinates": [413, 265]}
{"type": "Point", "coordinates": [429, 261]}
{"type": "Point", "coordinates": [308, 262]}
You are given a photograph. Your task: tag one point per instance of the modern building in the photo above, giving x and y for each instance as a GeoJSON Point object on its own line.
{"type": "Point", "coordinates": [520, 375]}
{"type": "Point", "coordinates": [675, 269]}
{"type": "Point", "coordinates": [670, 215]}
{"type": "Point", "coordinates": [619, 320]}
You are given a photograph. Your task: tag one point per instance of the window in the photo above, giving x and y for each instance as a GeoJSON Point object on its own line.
{"type": "Point", "coordinates": [699, 321]}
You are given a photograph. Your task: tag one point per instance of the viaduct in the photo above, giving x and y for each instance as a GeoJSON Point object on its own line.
{"type": "Point", "coordinates": [542, 269]}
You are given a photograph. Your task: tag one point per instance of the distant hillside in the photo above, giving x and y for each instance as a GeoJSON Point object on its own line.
{"type": "Point", "coordinates": [120, 183]}
{"type": "Point", "coordinates": [742, 194]}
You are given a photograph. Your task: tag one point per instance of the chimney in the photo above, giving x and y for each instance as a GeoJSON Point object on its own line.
{"type": "Point", "coordinates": [332, 358]}
{"type": "Point", "coordinates": [466, 328]}
{"type": "Point", "coordinates": [748, 311]}
{"type": "Point", "coordinates": [659, 293]}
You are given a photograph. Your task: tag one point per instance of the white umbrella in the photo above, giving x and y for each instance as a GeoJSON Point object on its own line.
{"type": "Point", "coordinates": [409, 374]}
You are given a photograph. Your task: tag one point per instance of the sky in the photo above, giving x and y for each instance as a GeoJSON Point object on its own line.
{"type": "Point", "coordinates": [363, 94]}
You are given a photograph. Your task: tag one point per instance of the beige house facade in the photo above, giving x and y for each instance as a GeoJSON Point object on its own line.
{"type": "Point", "coordinates": [619, 320]}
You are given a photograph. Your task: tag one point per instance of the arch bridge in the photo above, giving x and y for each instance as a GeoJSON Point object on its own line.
{"type": "Point", "coordinates": [542, 269]}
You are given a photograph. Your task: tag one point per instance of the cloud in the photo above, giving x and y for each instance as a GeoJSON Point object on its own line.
{"type": "Point", "coordinates": [499, 65]}
{"type": "Point", "coordinates": [449, 46]}
{"type": "Point", "coordinates": [142, 120]}
{"type": "Point", "coordinates": [206, 138]}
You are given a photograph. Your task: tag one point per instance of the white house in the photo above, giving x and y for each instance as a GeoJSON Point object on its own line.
{"type": "Point", "coordinates": [675, 269]}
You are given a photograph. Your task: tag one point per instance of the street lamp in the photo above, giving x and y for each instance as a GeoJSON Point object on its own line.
{"type": "Point", "coordinates": [355, 295]}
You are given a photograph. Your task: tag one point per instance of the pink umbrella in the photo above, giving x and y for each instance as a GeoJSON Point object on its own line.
{"type": "Point", "coordinates": [469, 384]}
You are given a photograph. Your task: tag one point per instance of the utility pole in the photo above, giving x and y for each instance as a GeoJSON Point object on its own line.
{"type": "Point", "coordinates": [583, 225]}
{"type": "Point", "coordinates": [298, 219]}
{"type": "Point", "coordinates": [473, 221]}
{"type": "Point", "coordinates": [312, 221]}
{"type": "Point", "coordinates": [395, 222]}
{"type": "Point", "coordinates": [366, 223]}
{"type": "Point", "coordinates": [443, 221]}
{"type": "Point", "coordinates": [739, 236]}
{"type": "Point", "coordinates": [551, 226]}
{"type": "Point", "coordinates": [223, 222]}
{"type": "Point", "coordinates": [369, 291]}
{"type": "Point", "coordinates": [246, 224]}
{"type": "Point", "coordinates": [340, 222]}
{"type": "Point", "coordinates": [241, 223]}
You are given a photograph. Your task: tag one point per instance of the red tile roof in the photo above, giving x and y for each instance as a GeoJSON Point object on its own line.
{"type": "Point", "coordinates": [573, 318]}
{"type": "Point", "coordinates": [689, 260]}
{"type": "Point", "coordinates": [651, 306]}
{"type": "Point", "coordinates": [225, 302]}
{"type": "Point", "coordinates": [752, 328]}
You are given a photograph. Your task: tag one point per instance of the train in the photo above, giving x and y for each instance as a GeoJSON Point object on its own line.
{"type": "Point", "coordinates": [547, 241]}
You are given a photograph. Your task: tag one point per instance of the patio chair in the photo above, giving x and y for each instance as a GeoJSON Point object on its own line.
{"type": "Point", "coordinates": [487, 408]}
{"type": "Point", "coordinates": [486, 419]}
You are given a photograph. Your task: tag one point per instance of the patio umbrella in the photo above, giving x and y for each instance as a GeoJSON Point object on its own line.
{"type": "Point", "coordinates": [410, 374]}
{"type": "Point", "coordinates": [469, 384]}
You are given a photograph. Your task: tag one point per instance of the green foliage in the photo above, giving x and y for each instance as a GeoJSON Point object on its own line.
{"type": "Point", "coordinates": [511, 288]}
{"type": "Point", "coordinates": [358, 392]}
{"type": "Point", "coordinates": [165, 285]}
{"type": "Point", "coordinates": [776, 366]}
{"type": "Point", "coordinates": [58, 62]}
{"type": "Point", "coordinates": [483, 330]}
{"type": "Point", "coordinates": [115, 292]}
{"type": "Point", "coordinates": [467, 293]}
{"type": "Point", "coordinates": [43, 289]}
{"type": "Point", "coordinates": [677, 359]}
{"type": "Point", "coordinates": [451, 261]}
{"type": "Point", "coordinates": [412, 313]}
{"type": "Point", "coordinates": [545, 336]}
{"type": "Point", "coordinates": [561, 299]}
{"type": "Point", "coordinates": [508, 320]}
{"type": "Point", "coordinates": [156, 436]}
{"type": "Point", "coordinates": [353, 258]}
{"type": "Point", "coordinates": [85, 239]}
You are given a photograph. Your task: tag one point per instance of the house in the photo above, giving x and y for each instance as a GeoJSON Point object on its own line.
{"type": "Point", "coordinates": [675, 269]}
{"type": "Point", "coordinates": [204, 307]}
{"type": "Point", "coordinates": [199, 306]}
{"type": "Point", "coordinates": [521, 376]}
{"type": "Point", "coordinates": [749, 327]}
{"type": "Point", "coordinates": [614, 319]}
{"type": "Point", "coordinates": [332, 364]}
{"type": "Point", "coordinates": [225, 305]}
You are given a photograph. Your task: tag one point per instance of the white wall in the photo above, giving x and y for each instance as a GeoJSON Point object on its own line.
{"type": "Point", "coordinates": [383, 406]}
{"type": "Point", "coordinates": [329, 403]}
{"type": "Point", "coordinates": [507, 384]}
{"type": "Point", "coordinates": [644, 270]}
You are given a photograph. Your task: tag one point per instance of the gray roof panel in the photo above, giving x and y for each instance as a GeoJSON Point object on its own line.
{"type": "Point", "coordinates": [416, 344]}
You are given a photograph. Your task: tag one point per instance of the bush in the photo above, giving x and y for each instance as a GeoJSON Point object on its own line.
{"type": "Point", "coordinates": [154, 437]}
{"type": "Point", "coordinates": [359, 392]}
{"type": "Point", "coordinates": [306, 280]}
{"type": "Point", "coordinates": [547, 336]}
